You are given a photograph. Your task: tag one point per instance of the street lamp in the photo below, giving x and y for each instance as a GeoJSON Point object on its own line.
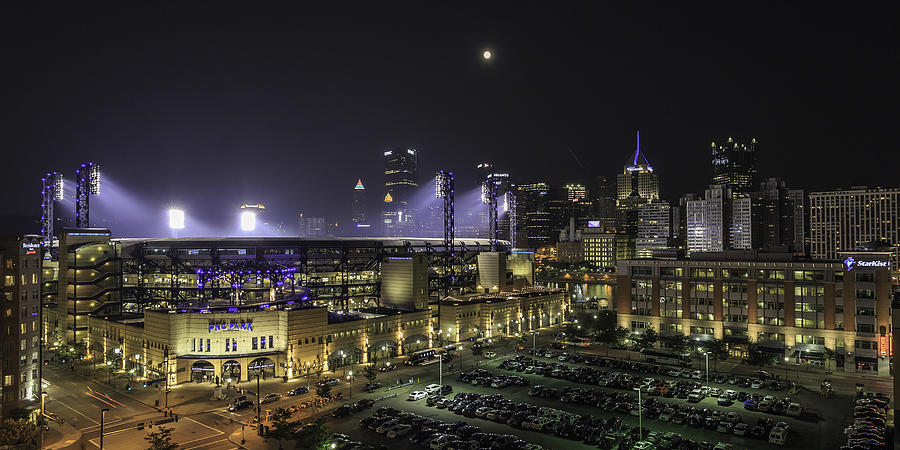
{"type": "Point", "coordinates": [102, 415]}
{"type": "Point", "coordinates": [534, 342]}
{"type": "Point", "coordinates": [350, 383]}
{"type": "Point", "coordinates": [706, 354]}
{"type": "Point", "coordinates": [640, 417]}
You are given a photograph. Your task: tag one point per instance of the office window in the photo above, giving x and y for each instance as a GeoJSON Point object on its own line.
{"type": "Point", "coordinates": [194, 344]}
{"type": "Point", "coordinates": [262, 342]}
{"type": "Point", "coordinates": [227, 343]}
{"type": "Point", "coordinates": [207, 345]}
{"type": "Point", "coordinates": [255, 344]}
{"type": "Point", "coordinates": [865, 328]}
{"type": "Point", "coordinates": [271, 342]}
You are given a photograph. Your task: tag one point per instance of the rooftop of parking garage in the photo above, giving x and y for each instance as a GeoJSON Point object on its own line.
{"type": "Point", "coordinates": [528, 292]}
{"type": "Point", "coordinates": [364, 313]}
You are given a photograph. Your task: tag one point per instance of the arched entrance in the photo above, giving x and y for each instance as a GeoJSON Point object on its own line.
{"type": "Point", "coordinates": [202, 371]}
{"type": "Point", "coordinates": [263, 366]}
{"type": "Point", "coordinates": [344, 357]}
{"type": "Point", "coordinates": [382, 351]}
{"type": "Point", "coordinates": [545, 319]}
{"type": "Point", "coordinates": [231, 371]}
{"type": "Point", "coordinates": [415, 343]}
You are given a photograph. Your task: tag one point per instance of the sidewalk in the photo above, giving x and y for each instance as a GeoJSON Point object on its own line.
{"type": "Point", "coordinates": [60, 436]}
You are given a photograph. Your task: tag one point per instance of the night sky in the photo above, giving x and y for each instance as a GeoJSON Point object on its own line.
{"type": "Point", "coordinates": [206, 107]}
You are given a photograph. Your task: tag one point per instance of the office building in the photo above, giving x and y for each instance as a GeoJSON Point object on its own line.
{"type": "Point", "coordinates": [312, 226]}
{"type": "Point", "coordinates": [844, 220]}
{"type": "Point", "coordinates": [654, 228]}
{"type": "Point", "coordinates": [534, 214]}
{"type": "Point", "coordinates": [795, 308]}
{"type": "Point", "coordinates": [719, 222]}
{"type": "Point", "coordinates": [20, 336]}
{"type": "Point", "coordinates": [401, 175]}
{"type": "Point", "coordinates": [604, 248]}
{"type": "Point", "coordinates": [635, 186]}
{"type": "Point", "coordinates": [778, 217]}
{"type": "Point", "coordinates": [575, 192]}
{"type": "Point", "coordinates": [603, 199]}
{"type": "Point", "coordinates": [734, 166]}
{"type": "Point", "coordinates": [679, 222]}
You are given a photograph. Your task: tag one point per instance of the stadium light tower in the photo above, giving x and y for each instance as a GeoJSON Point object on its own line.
{"type": "Point", "coordinates": [51, 191]}
{"type": "Point", "coordinates": [444, 189]}
{"type": "Point", "coordinates": [87, 183]}
{"type": "Point", "coordinates": [176, 219]}
{"type": "Point", "coordinates": [248, 220]}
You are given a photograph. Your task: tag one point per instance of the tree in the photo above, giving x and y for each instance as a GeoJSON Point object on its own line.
{"type": "Point", "coordinates": [718, 351]}
{"type": "Point", "coordinates": [829, 355]}
{"type": "Point", "coordinates": [161, 439]}
{"type": "Point", "coordinates": [757, 357]}
{"type": "Point", "coordinates": [612, 337]}
{"type": "Point", "coordinates": [678, 343]}
{"type": "Point", "coordinates": [281, 428]}
{"type": "Point", "coordinates": [314, 436]}
{"type": "Point", "coordinates": [15, 431]}
{"type": "Point", "coordinates": [647, 339]}
{"type": "Point", "coordinates": [370, 373]}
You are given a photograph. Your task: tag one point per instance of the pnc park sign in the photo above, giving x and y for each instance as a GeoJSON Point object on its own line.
{"type": "Point", "coordinates": [231, 325]}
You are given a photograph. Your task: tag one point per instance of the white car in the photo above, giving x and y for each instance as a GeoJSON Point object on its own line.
{"type": "Point", "coordinates": [490, 354]}
{"type": "Point", "coordinates": [417, 395]}
{"type": "Point", "coordinates": [778, 436]}
{"type": "Point", "coordinates": [697, 375]}
{"type": "Point", "coordinates": [794, 410]}
{"type": "Point", "coordinates": [757, 384]}
{"type": "Point", "coordinates": [433, 388]}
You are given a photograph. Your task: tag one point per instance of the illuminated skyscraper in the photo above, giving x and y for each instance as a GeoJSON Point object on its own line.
{"type": "Point", "coordinates": [734, 166]}
{"type": "Point", "coordinates": [636, 185]}
{"type": "Point", "coordinates": [400, 183]}
{"type": "Point", "coordinates": [359, 210]}
{"type": "Point", "coordinates": [654, 228]}
{"type": "Point", "coordinates": [842, 221]}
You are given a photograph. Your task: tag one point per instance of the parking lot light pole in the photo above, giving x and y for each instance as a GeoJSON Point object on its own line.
{"type": "Point", "coordinates": [534, 343]}
{"type": "Point", "coordinates": [706, 354]}
{"type": "Point", "coordinates": [350, 383]}
{"type": "Point", "coordinates": [640, 417]}
{"type": "Point", "coordinates": [441, 369]}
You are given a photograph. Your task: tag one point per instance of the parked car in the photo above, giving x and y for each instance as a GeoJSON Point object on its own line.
{"type": "Point", "coordinates": [243, 404]}
{"type": "Point", "coordinates": [298, 390]}
{"type": "Point", "coordinates": [489, 354]}
{"type": "Point", "coordinates": [417, 395]}
{"type": "Point", "coordinates": [269, 398]}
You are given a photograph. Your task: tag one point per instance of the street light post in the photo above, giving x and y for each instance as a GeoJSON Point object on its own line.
{"type": "Point", "coordinates": [258, 399]}
{"type": "Point", "coordinates": [43, 414]}
{"type": "Point", "coordinates": [534, 343]}
{"type": "Point", "coordinates": [102, 415]}
{"type": "Point", "coordinates": [350, 383]}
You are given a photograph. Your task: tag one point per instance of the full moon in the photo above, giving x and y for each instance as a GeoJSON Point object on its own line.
{"type": "Point", "coordinates": [487, 54]}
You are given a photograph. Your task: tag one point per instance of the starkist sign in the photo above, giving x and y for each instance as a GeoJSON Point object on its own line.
{"type": "Point", "coordinates": [851, 263]}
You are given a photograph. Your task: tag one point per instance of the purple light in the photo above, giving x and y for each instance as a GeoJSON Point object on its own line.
{"type": "Point", "coordinates": [264, 306]}
{"type": "Point", "coordinates": [203, 311]}
{"type": "Point", "coordinates": [289, 302]}
{"type": "Point", "coordinates": [232, 309]}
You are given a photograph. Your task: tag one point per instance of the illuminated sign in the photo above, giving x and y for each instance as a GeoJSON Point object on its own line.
{"type": "Point", "coordinates": [850, 263]}
{"type": "Point", "coordinates": [231, 325]}
{"type": "Point", "coordinates": [593, 224]}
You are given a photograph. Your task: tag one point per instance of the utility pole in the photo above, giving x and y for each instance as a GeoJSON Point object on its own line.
{"type": "Point", "coordinates": [166, 361]}
{"type": "Point", "coordinates": [102, 415]}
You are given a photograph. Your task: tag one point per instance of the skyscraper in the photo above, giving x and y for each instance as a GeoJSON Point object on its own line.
{"type": "Point", "coordinates": [636, 186]}
{"type": "Point", "coordinates": [841, 221]}
{"type": "Point", "coordinates": [734, 166]}
{"type": "Point", "coordinates": [400, 183]}
{"type": "Point", "coordinates": [719, 222]}
{"type": "Point", "coordinates": [654, 228]}
{"type": "Point", "coordinates": [359, 210]}
{"type": "Point", "coordinates": [21, 341]}
{"type": "Point", "coordinates": [534, 214]}
{"type": "Point", "coordinates": [778, 217]}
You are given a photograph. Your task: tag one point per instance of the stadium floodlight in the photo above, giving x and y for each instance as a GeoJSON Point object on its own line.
{"type": "Point", "coordinates": [94, 176]}
{"type": "Point", "coordinates": [248, 221]}
{"type": "Point", "coordinates": [176, 219]}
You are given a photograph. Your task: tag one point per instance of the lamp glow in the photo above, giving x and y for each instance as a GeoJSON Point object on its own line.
{"type": "Point", "coordinates": [487, 55]}
{"type": "Point", "coordinates": [248, 221]}
{"type": "Point", "coordinates": [176, 219]}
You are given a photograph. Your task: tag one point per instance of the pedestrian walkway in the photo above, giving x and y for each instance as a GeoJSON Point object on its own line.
{"type": "Point", "coordinates": [60, 436]}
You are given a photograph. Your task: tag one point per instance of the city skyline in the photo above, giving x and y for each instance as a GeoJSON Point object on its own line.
{"type": "Point", "coordinates": [201, 121]}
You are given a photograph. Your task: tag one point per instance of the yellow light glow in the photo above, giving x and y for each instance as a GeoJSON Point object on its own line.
{"type": "Point", "coordinates": [487, 55]}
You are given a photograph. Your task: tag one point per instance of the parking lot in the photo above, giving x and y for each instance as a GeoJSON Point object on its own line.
{"type": "Point", "coordinates": [814, 421]}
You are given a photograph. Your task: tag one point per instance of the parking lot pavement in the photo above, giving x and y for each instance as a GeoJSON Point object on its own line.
{"type": "Point", "coordinates": [820, 426]}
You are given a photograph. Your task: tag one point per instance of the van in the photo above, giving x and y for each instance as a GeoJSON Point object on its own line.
{"type": "Point", "coordinates": [778, 436]}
